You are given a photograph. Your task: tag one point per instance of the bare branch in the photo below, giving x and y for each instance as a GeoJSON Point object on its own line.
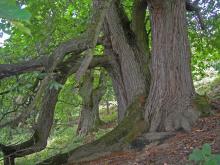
{"type": "Point", "coordinates": [7, 70]}
{"type": "Point", "coordinates": [192, 7]}
{"type": "Point", "coordinates": [5, 114]}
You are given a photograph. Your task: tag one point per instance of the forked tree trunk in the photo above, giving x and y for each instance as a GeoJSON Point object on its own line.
{"type": "Point", "coordinates": [89, 118]}
{"type": "Point", "coordinates": [170, 103]}
{"type": "Point", "coordinates": [129, 63]}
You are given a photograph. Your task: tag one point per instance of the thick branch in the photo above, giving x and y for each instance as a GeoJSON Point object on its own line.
{"type": "Point", "coordinates": [45, 101]}
{"type": "Point", "coordinates": [71, 64]}
{"type": "Point", "coordinates": [7, 70]}
{"type": "Point", "coordinates": [87, 40]}
{"type": "Point", "coordinates": [77, 45]}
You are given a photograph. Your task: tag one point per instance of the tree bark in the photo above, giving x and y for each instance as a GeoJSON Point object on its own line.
{"type": "Point", "coordinates": [129, 57]}
{"type": "Point", "coordinates": [89, 118]}
{"type": "Point", "coordinates": [170, 103]}
{"type": "Point", "coordinates": [7, 70]}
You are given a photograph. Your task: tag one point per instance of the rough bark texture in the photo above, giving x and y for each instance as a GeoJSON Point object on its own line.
{"type": "Point", "coordinates": [98, 93]}
{"type": "Point", "coordinates": [129, 63]}
{"type": "Point", "coordinates": [139, 25]}
{"type": "Point", "coordinates": [170, 103]}
{"type": "Point", "coordinates": [89, 118]}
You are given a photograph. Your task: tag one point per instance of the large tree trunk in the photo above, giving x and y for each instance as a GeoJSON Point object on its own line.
{"type": "Point", "coordinates": [129, 56]}
{"type": "Point", "coordinates": [170, 103]}
{"type": "Point", "coordinates": [89, 118]}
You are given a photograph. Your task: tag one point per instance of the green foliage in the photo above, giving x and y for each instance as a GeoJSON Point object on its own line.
{"type": "Point", "coordinates": [22, 27]}
{"type": "Point", "coordinates": [204, 43]}
{"type": "Point", "coordinates": [111, 117]}
{"type": "Point", "coordinates": [11, 11]}
{"type": "Point", "coordinates": [204, 156]}
{"type": "Point", "coordinates": [55, 85]}
{"type": "Point", "coordinates": [210, 88]}
{"type": "Point", "coordinates": [61, 141]}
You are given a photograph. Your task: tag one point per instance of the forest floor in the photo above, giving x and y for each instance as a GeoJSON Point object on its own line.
{"type": "Point", "coordinates": [173, 151]}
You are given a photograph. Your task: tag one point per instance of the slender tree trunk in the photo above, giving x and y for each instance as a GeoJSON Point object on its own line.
{"type": "Point", "coordinates": [118, 84]}
{"type": "Point", "coordinates": [98, 93]}
{"type": "Point", "coordinates": [89, 118]}
{"type": "Point", "coordinates": [9, 160]}
{"type": "Point", "coordinates": [170, 103]}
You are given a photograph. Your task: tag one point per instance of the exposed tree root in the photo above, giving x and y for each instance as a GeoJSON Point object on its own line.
{"type": "Point", "coordinates": [152, 138]}
{"type": "Point", "coordinates": [118, 139]}
{"type": "Point", "coordinates": [128, 134]}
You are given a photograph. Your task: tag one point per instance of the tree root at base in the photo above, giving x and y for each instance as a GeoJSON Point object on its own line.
{"type": "Point", "coordinates": [118, 139]}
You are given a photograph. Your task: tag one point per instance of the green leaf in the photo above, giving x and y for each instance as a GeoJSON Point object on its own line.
{"type": "Point", "coordinates": [217, 158]}
{"type": "Point", "coordinates": [55, 85]}
{"type": "Point", "coordinates": [11, 11]}
{"type": "Point", "coordinates": [206, 150]}
{"type": "Point", "coordinates": [210, 161]}
{"type": "Point", "coordinates": [196, 155]}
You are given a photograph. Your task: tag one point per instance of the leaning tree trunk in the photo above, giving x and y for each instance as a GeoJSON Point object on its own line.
{"type": "Point", "coordinates": [89, 118]}
{"type": "Point", "coordinates": [129, 56]}
{"type": "Point", "coordinates": [45, 101]}
{"type": "Point", "coordinates": [170, 103]}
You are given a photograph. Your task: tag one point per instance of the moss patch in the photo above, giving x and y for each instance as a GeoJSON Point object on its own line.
{"type": "Point", "coordinates": [202, 104]}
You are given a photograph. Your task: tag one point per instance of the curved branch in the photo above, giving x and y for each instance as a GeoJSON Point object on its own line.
{"type": "Point", "coordinates": [74, 46]}
{"type": "Point", "coordinates": [47, 98]}
{"type": "Point", "coordinates": [85, 41]}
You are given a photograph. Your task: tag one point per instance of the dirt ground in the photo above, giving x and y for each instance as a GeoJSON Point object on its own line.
{"type": "Point", "coordinates": [174, 151]}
